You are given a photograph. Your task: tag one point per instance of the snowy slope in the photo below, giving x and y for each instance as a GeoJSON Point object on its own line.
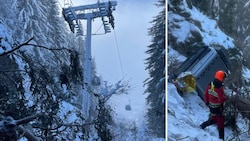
{"type": "Point", "coordinates": [181, 27]}
{"type": "Point", "coordinates": [185, 114]}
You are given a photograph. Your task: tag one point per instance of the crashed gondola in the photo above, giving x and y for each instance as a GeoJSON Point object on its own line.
{"type": "Point", "coordinates": [199, 69]}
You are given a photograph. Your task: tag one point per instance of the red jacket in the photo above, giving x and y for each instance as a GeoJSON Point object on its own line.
{"type": "Point", "coordinates": [214, 94]}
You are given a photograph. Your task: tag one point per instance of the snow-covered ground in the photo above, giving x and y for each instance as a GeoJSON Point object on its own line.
{"type": "Point", "coordinates": [180, 27]}
{"type": "Point", "coordinates": [187, 112]}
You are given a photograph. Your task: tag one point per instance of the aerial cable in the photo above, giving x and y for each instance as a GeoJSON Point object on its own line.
{"type": "Point", "coordinates": [98, 29]}
{"type": "Point", "coordinates": [119, 54]}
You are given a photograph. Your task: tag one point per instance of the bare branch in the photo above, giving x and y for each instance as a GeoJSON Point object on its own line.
{"type": "Point", "coordinates": [27, 119]}
{"type": "Point", "coordinates": [26, 43]}
{"type": "Point", "coordinates": [65, 125]}
{"type": "Point", "coordinates": [16, 48]}
{"type": "Point", "coordinates": [47, 47]}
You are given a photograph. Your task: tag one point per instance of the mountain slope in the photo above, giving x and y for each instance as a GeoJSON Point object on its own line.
{"type": "Point", "coordinates": [185, 114]}
{"type": "Point", "coordinates": [188, 27]}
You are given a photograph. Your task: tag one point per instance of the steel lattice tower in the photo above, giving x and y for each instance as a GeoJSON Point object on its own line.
{"type": "Point", "coordinates": [73, 15]}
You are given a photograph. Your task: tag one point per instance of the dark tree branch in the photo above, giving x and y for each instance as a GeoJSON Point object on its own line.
{"type": "Point", "coordinates": [26, 43]}
{"type": "Point", "coordinates": [16, 48]}
{"type": "Point", "coordinates": [65, 125]}
{"type": "Point", "coordinates": [47, 47]}
{"type": "Point", "coordinates": [27, 119]}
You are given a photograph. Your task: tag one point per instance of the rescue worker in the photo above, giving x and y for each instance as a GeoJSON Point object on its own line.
{"type": "Point", "coordinates": [214, 99]}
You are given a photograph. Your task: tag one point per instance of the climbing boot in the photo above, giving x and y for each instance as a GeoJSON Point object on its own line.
{"type": "Point", "coordinates": [206, 123]}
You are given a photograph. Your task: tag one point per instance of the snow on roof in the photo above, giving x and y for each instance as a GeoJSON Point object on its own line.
{"type": "Point", "coordinates": [183, 74]}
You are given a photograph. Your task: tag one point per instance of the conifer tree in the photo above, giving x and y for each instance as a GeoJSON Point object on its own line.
{"type": "Point", "coordinates": [156, 81]}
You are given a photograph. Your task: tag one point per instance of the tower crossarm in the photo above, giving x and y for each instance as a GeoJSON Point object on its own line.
{"type": "Point", "coordinates": [94, 6]}
{"type": "Point", "coordinates": [99, 9]}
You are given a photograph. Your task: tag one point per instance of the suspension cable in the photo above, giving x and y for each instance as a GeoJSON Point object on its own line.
{"type": "Point", "coordinates": [98, 29]}
{"type": "Point", "coordinates": [118, 51]}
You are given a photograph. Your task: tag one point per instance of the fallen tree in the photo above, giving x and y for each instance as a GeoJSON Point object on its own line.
{"type": "Point", "coordinates": [242, 105]}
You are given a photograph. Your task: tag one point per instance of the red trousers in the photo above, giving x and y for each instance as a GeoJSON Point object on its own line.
{"type": "Point", "coordinates": [215, 117]}
{"type": "Point", "coordinates": [219, 119]}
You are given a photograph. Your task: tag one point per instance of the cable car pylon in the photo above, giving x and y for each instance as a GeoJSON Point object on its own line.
{"type": "Point", "coordinates": [72, 15]}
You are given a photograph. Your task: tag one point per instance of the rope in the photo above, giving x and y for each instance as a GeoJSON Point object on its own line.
{"type": "Point", "coordinates": [119, 54]}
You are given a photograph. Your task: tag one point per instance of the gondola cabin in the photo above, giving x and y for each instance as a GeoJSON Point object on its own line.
{"type": "Point", "coordinates": [203, 64]}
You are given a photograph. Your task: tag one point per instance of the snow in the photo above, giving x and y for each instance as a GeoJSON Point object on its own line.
{"type": "Point", "coordinates": [185, 114]}
{"type": "Point", "coordinates": [173, 53]}
{"type": "Point", "coordinates": [5, 39]}
{"type": "Point", "coordinates": [246, 73]}
{"type": "Point", "coordinates": [209, 30]}
{"type": "Point", "coordinates": [69, 110]}
{"type": "Point", "coordinates": [184, 27]}
{"type": "Point", "coordinates": [134, 118]}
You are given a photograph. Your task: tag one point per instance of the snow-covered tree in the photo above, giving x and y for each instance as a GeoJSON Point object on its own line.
{"type": "Point", "coordinates": [156, 68]}
{"type": "Point", "coordinates": [31, 73]}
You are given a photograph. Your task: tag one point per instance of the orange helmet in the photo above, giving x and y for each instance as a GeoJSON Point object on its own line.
{"type": "Point", "coordinates": [220, 75]}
